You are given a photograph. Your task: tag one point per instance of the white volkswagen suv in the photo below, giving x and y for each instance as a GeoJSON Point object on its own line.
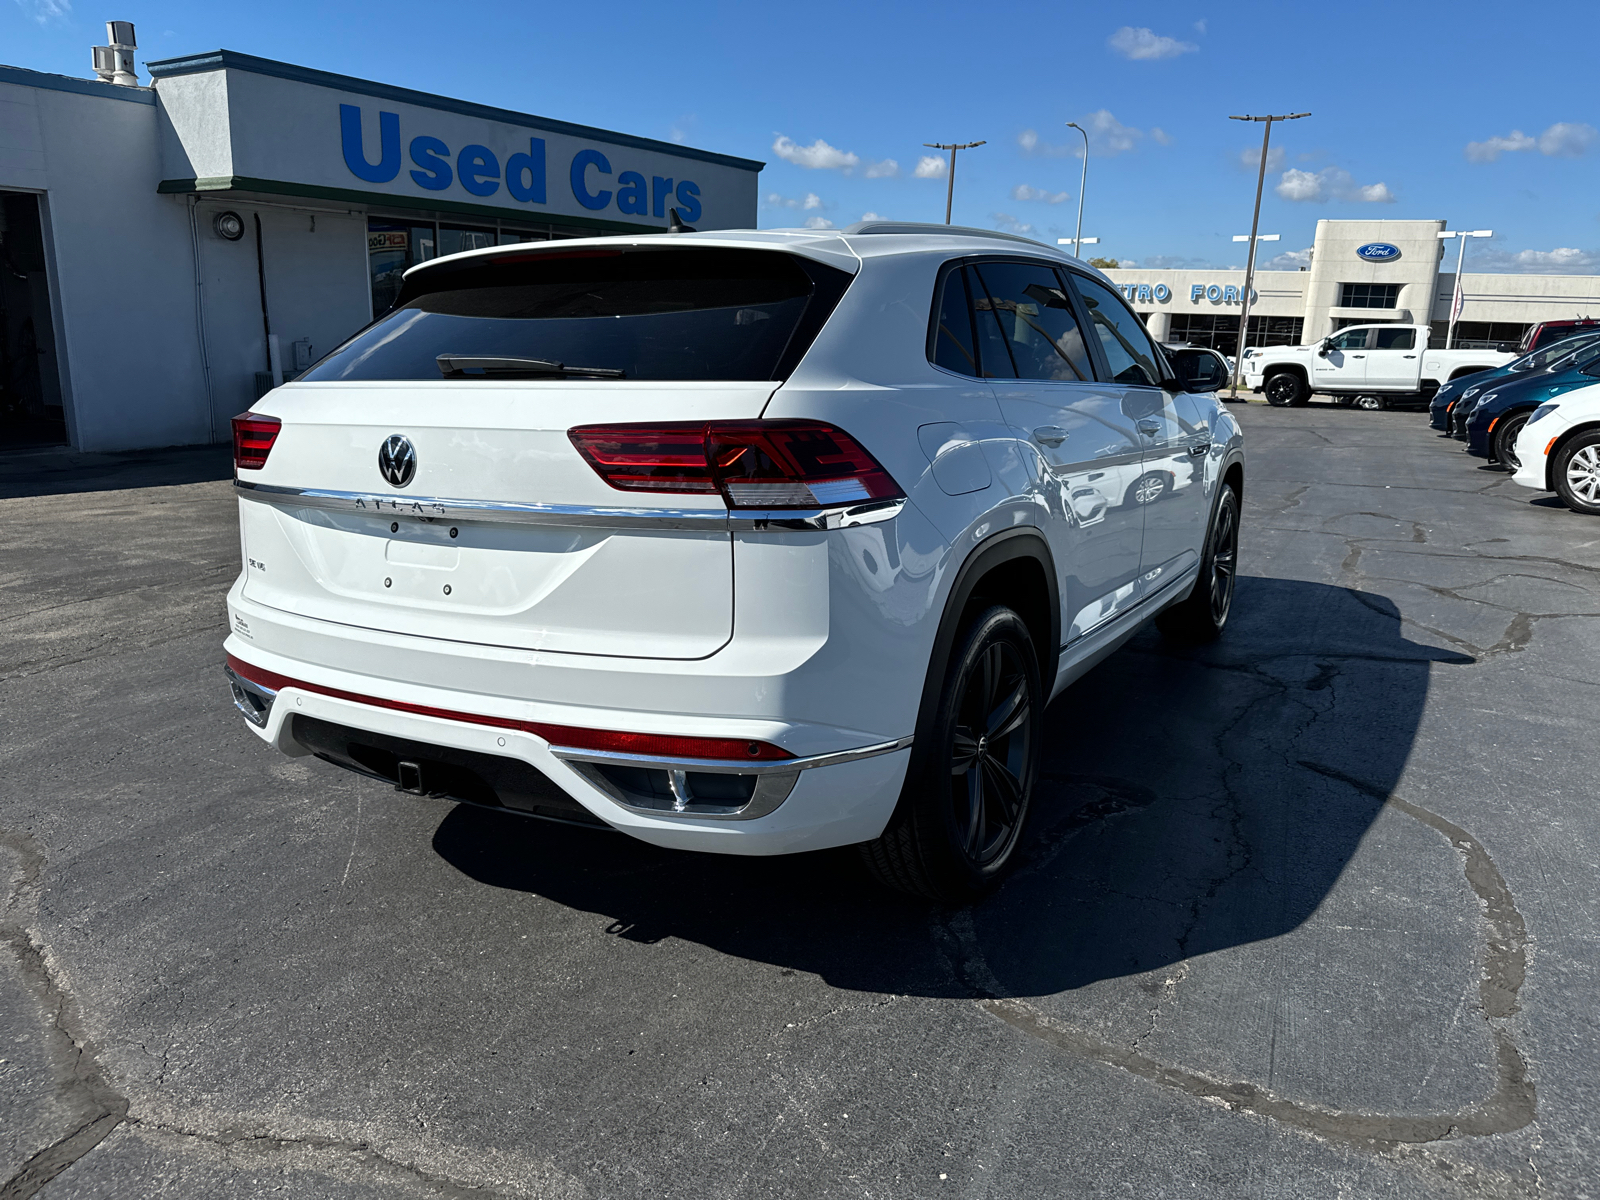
{"type": "Point", "coordinates": [748, 542]}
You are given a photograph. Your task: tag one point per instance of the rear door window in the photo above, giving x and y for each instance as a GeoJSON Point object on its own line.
{"type": "Point", "coordinates": [1396, 338]}
{"type": "Point", "coordinates": [649, 313]}
{"type": "Point", "coordinates": [1035, 319]}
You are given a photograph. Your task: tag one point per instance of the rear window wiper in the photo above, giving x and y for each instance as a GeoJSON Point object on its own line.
{"type": "Point", "coordinates": [457, 366]}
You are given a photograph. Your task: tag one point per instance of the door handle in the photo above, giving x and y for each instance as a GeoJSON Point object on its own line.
{"type": "Point", "coordinates": [1149, 428]}
{"type": "Point", "coordinates": [1199, 448]}
{"type": "Point", "coordinates": [1049, 435]}
{"type": "Point", "coordinates": [1358, 356]}
{"type": "Point", "coordinates": [1408, 356]}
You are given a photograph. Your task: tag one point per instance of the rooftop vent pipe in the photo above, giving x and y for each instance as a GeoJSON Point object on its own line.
{"type": "Point", "coordinates": [114, 63]}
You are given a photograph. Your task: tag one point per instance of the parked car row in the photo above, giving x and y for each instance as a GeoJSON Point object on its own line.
{"type": "Point", "coordinates": [1538, 417]}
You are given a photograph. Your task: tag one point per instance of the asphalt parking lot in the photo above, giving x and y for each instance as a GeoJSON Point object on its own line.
{"type": "Point", "coordinates": [1311, 912]}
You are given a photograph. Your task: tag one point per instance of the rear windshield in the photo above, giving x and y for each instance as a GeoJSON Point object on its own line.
{"type": "Point", "coordinates": [653, 313]}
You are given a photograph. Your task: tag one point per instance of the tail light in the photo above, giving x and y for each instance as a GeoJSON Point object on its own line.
{"type": "Point", "coordinates": [753, 464]}
{"type": "Point", "coordinates": [253, 436]}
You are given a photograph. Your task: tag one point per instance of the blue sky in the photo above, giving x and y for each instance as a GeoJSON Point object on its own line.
{"type": "Point", "coordinates": [1462, 111]}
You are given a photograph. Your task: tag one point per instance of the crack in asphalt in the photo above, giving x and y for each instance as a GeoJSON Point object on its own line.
{"type": "Point", "coordinates": [1511, 1105]}
{"type": "Point", "coordinates": [84, 1083]}
{"type": "Point", "coordinates": [80, 1079]}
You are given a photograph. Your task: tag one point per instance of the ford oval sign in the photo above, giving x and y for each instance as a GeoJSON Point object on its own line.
{"type": "Point", "coordinates": [1378, 252]}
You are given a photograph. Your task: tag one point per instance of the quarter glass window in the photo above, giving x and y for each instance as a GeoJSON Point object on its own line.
{"type": "Point", "coordinates": [994, 359]}
{"type": "Point", "coordinates": [1398, 338]}
{"type": "Point", "coordinates": [1129, 350]}
{"type": "Point", "coordinates": [952, 336]}
{"type": "Point", "coordinates": [1036, 321]}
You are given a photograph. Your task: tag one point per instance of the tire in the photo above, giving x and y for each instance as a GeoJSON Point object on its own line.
{"type": "Point", "coordinates": [1576, 473]}
{"type": "Point", "coordinates": [1147, 489]}
{"type": "Point", "coordinates": [1371, 403]}
{"type": "Point", "coordinates": [1505, 440]}
{"type": "Point", "coordinates": [965, 805]}
{"type": "Point", "coordinates": [1286, 389]}
{"type": "Point", "coordinates": [1201, 616]}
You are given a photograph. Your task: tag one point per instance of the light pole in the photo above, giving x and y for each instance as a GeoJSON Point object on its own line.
{"type": "Point", "coordinates": [950, 192]}
{"type": "Point", "coordinates": [1077, 244]}
{"type": "Point", "coordinates": [1077, 234]}
{"type": "Point", "coordinates": [1255, 225]}
{"type": "Point", "coordinates": [1244, 301]}
{"type": "Point", "coordinates": [1458, 301]}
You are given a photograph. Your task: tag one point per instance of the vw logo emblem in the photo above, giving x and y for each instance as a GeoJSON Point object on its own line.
{"type": "Point", "coordinates": [397, 460]}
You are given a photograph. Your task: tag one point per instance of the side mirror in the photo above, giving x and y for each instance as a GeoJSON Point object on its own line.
{"type": "Point", "coordinates": [1198, 371]}
{"type": "Point", "coordinates": [1322, 350]}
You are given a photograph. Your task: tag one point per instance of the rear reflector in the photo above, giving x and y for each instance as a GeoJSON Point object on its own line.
{"type": "Point", "coordinates": [253, 435]}
{"type": "Point", "coordinates": [753, 464]}
{"type": "Point", "coordinates": [655, 744]}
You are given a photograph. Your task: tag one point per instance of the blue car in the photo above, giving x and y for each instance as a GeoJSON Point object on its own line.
{"type": "Point", "coordinates": [1448, 401]}
{"type": "Point", "coordinates": [1498, 417]}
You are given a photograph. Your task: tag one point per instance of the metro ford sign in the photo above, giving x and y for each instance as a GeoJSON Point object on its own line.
{"type": "Point", "coordinates": [1378, 252]}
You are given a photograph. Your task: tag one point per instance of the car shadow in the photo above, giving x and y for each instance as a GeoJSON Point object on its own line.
{"type": "Point", "coordinates": [1191, 800]}
{"type": "Point", "coordinates": [62, 471]}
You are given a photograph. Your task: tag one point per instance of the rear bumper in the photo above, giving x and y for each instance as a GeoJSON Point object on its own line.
{"type": "Point", "coordinates": [840, 788]}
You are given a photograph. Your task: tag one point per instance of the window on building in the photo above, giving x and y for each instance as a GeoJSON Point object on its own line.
{"type": "Point", "coordinates": [393, 247]}
{"type": "Point", "coordinates": [1478, 335]}
{"type": "Point", "coordinates": [453, 239]}
{"type": "Point", "coordinates": [1219, 332]}
{"type": "Point", "coordinates": [1369, 295]}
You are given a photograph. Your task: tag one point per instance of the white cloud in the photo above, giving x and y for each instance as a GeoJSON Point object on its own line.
{"type": "Point", "coordinates": [871, 217]}
{"type": "Point", "coordinates": [1563, 260]}
{"type": "Point", "coordinates": [1146, 44]}
{"type": "Point", "coordinates": [1160, 136]}
{"type": "Point", "coordinates": [887, 169]}
{"type": "Point", "coordinates": [45, 11]}
{"type": "Point", "coordinates": [1330, 183]}
{"type": "Point", "coordinates": [808, 201]}
{"type": "Point", "coordinates": [1251, 158]}
{"type": "Point", "coordinates": [1567, 139]}
{"type": "Point", "coordinates": [1178, 262]}
{"type": "Point", "coordinates": [931, 166]}
{"type": "Point", "coordinates": [1112, 135]}
{"type": "Point", "coordinates": [1108, 137]}
{"type": "Point", "coordinates": [1008, 223]}
{"type": "Point", "coordinates": [1024, 191]}
{"type": "Point", "coordinates": [1289, 260]}
{"type": "Point", "coordinates": [819, 156]}
{"type": "Point", "coordinates": [1564, 139]}
{"type": "Point", "coordinates": [1200, 27]}
{"type": "Point", "coordinates": [818, 223]}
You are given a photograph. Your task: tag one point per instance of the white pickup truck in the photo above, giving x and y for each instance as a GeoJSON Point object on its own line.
{"type": "Point", "coordinates": [1370, 366]}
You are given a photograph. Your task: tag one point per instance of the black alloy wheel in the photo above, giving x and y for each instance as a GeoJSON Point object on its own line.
{"type": "Point", "coordinates": [1285, 389]}
{"type": "Point", "coordinates": [1505, 439]}
{"type": "Point", "coordinates": [990, 754]}
{"type": "Point", "coordinates": [966, 798]}
{"type": "Point", "coordinates": [1201, 617]}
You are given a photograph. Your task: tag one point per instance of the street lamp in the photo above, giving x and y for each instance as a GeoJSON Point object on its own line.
{"type": "Point", "coordinates": [1255, 225]}
{"type": "Point", "coordinates": [1458, 301]}
{"type": "Point", "coordinates": [1077, 234]}
{"type": "Point", "coordinates": [950, 192]}
{"type": "Point", "coordinates": [1075, 244]}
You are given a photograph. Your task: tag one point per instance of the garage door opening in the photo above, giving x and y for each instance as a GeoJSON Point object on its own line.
{"type": "Point", "coordinates": [30, 384]}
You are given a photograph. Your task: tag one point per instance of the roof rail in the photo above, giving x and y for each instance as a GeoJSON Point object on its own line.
{"type": "Point", "coordinates": [929, 227]}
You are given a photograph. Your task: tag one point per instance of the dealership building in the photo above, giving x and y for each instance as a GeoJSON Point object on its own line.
{"type": "Point", "coordinates": [167, 252]}
{"type": "Point", "coordinates": [1360, 273]}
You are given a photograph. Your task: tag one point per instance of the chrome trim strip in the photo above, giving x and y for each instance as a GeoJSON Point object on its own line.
{"type": "Point", "coordinates": [431, 508]}
{"type": "Point", "coordinates": [724, 766]}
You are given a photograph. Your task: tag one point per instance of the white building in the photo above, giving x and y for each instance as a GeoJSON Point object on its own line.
{"type": "Point", "coordinates": [1361, 273]}
{"type": "Point", "coordinates": [154, 241]}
